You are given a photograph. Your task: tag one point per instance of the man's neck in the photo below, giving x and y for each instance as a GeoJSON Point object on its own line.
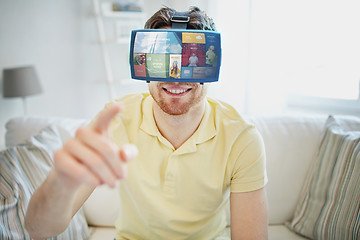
{"type": "Point", "coordinates": [179, 128]}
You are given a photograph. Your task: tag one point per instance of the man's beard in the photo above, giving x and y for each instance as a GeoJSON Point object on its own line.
{"type": "Point", "coordinates": [174, 107]}
{"type": "Point", "coordinates": [178, 106]}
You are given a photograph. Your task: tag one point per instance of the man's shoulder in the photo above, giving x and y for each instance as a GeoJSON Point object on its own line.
{"type": "Point", "coordinates": [223, 109]}
{"type": "Point", "coordinates": [229, 122]}
{"type": "Point", "coordinates": [227, 116]}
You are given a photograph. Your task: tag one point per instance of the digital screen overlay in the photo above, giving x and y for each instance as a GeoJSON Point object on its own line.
{"type": "Point", "coordinates": [175, 55]}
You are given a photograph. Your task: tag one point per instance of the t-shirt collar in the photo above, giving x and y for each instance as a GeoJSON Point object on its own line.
{"type": "Point", "coordinates": [205, 131]}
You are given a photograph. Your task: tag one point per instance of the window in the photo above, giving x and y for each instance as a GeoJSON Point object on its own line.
{"type": "Point", "coordinates": [312, 44]}
{"type": "Point", "coordinates": [306, 48]}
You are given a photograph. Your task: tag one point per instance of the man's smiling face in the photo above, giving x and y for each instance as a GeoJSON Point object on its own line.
{"type": "Point", "coordinates": [175, 98]}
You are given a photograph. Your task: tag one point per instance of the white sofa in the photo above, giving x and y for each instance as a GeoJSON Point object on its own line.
{"type": "Point", "coordinates": [291, 144]}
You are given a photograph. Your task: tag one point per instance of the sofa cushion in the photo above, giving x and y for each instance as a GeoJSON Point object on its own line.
{"type": "Point", "coordinates": [22, 169]}
{"type": "Point", "coordinates": [329, 207]}
{"type": "Point", "coordinates": [276, 232]}
{"type": "Point", "coordinates": [291, 143]}
{"type": "Point", "coordinates": [101, 233]}
{"type": "Point", "coordinates": [281, 232]}
{"type": "Point", "coordinates": [20, 128]}
{"type": "Point", "coordinates": [102, 207]}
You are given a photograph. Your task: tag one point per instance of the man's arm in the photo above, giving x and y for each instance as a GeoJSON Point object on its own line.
{"type": "Point", "coordinates": [249, 215]}
{"type": "Point", "coordinates": [52, 207]}
{"type": "Point", "coordinates": [85, 161]}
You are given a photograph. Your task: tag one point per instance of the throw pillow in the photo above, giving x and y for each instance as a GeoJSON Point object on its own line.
{"type": "Point", "coordinates": [330, 205]}
{"type": "Point", "coordinates": [22, 169]}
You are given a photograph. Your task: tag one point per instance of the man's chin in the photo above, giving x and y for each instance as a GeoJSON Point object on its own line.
{"type": "Point", "coordinates": [174, 110]}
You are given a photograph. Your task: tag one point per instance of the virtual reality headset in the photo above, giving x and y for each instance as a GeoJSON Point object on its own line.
{"type": "Point", "coordinates": [175, 55]}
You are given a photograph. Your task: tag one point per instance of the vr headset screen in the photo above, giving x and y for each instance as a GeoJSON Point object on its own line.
{"type": "Point", "coordinates": [175, 55]}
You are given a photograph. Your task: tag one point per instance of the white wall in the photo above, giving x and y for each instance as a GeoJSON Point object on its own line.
{"type": "Point", "coordinates": [60, 39]}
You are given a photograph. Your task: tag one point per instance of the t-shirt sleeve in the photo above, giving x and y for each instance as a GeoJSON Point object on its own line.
{"type": "Point", "coordinates": [249, 165]}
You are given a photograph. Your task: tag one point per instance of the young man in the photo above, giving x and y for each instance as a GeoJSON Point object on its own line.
{"type": "Point", "coordinates": [210, 57]}
{"type": "Point", "coordinates": [193, 154]}
{"type": "Point", "coordinates": [193, 60]}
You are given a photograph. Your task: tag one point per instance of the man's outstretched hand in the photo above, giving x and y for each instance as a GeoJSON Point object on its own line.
{"type": "Point", "coordinates": [91, 157]}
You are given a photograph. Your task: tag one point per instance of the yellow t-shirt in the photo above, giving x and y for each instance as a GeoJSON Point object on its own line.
{"type": "Point", "coordinates": [181, 194]}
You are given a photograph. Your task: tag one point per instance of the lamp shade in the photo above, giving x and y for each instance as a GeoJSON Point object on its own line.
{"type": "Point", "coordinates": [20, 82]}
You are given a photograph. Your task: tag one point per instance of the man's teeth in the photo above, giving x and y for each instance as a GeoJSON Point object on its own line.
{"type": "Point", "coordinates": [176, 91]}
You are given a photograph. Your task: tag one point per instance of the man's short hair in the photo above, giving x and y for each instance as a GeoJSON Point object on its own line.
{"type": "Point", "coordinates": [198, 19]}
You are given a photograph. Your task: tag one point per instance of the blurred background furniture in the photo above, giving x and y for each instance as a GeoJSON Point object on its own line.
{"type": "Point", "coordinates": [21, 82]}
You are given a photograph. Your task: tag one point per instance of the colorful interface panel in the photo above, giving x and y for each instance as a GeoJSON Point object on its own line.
{"type": "Point", "coordinates": [175, 55]}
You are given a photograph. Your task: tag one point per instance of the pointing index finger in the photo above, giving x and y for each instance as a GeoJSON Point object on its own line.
{"type": "Point", "coordinates": [102, 123]}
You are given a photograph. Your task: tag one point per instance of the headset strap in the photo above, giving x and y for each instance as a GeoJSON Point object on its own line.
{"type": "Point", "coordinates": [180, 20]}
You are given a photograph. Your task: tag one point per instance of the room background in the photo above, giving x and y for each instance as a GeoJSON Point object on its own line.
{"type": "Point", "coordinates": [60, 39]}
